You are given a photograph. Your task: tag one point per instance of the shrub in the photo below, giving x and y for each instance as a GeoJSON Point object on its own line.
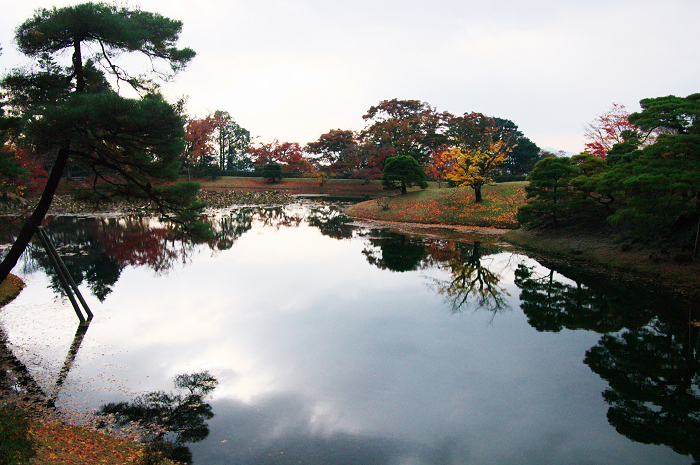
{"type": "Point", "coordinates": [272, 172]}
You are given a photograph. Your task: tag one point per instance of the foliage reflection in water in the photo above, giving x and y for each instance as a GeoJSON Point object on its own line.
{"type": "Point", "coordinates": [386, 359]}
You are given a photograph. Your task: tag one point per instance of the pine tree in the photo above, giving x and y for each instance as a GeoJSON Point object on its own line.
{"type": "Point", "coordinates": [72, 114]}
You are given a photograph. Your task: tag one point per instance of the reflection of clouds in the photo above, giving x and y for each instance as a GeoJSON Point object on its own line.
{"type": "Point", "coordinates": [319, 351]}
{"type": "Point", "coordinates": [280, 430]}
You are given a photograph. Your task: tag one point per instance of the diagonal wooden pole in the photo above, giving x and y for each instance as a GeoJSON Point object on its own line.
{"type": "Point", "coordinates": [64, 276]}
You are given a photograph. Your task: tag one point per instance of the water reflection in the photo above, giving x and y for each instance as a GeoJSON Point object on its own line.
{"type": "Point", "coordinates": [648, 352]}
{"type": "Point", "coordinates": [552, 303]}
{"type": "Point", "coordinates": [330, 220]}
{"type": "Point", "coordinates": [17, 380]}
{"type": "Point", "coordinates": [161, 415]}
{"type": "Point", "coordinates": [392, 251]}
{"type": "Point", "coordinates": [354, 359]}
{"type": "Point", "coordinates": [472, 283]}
{"type": "Point", "coordinates": [654, 384]}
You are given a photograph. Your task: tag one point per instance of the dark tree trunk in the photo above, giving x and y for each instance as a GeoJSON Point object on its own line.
{"type": "Point", "coordinates": [477, 194]}
{"type": "Point", "coordinates": [403, 187]}
{"type": "Point", "coordinates": [29, 228]}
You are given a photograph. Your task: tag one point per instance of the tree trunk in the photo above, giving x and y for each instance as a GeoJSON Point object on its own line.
{"type": "Point", "coordinates": [477, 194]}
{"type": "Point", "coordinates": [29, 228]}
{"type": "Point", "coordinates": [403, 187]}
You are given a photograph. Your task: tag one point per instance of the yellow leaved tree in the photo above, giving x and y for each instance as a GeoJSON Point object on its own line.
{"type": "Point", "coordinates": [476, 166]}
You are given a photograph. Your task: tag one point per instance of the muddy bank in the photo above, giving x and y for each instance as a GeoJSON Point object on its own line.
{"type": "Point", "coordinates": [659, 268]}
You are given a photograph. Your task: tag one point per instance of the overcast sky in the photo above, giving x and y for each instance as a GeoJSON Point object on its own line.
{"type": "Point", "coordinates": [293, 69]}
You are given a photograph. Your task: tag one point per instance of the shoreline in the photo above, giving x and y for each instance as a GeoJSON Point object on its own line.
{"type": "Point", "coordinates": [599, 253]}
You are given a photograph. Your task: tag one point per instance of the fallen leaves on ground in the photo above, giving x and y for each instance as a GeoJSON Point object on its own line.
{"type": "Point", "coordinates": [57, 443]}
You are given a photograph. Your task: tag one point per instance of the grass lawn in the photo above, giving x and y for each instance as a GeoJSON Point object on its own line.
{"type": "Point", "coordinates": [450, 206]}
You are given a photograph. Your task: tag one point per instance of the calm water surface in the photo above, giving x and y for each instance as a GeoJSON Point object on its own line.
{"type": "Point", "coordinates": [338, 343]}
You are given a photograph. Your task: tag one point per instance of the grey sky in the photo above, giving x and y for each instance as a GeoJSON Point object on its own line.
{"type": "Point", "coordinates": [291, 70]}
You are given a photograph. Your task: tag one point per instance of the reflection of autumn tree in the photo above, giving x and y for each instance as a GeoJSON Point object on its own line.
{"type": "Point", "coordinates": [654, 384]}
{"type": "Point", "coordinates": [395, 252]}
{"type": "Point", "coordinates": [471, 284]}
{"type": "Point", "coordinates": [182, 414]}
{"type": "Point", "coordinates": [96, 250]}
{"type": "Point", "coordinates": [331, 221]}
{"type": "Point", "coordinates": [552, 304]}
{"type": "Point", "coordinates": [135, 241]}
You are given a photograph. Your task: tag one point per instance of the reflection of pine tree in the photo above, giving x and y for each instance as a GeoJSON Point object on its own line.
{"type": "Point", "coordinates": [654, 378]}
{"type": "Point", "coordinates": [471, 284]}
{"type": "Point", "coordinates": [395, 252]}
{"type": "Point", "coordinates": [551, 304]}
{"type": "Point", "coordinates": [331, 221]}
{"type": "Point", "coordinates": [83, 253]}
{"type": "Point", "coordinates": [183, 414]}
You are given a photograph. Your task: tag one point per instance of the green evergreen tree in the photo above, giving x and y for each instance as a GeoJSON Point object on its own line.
{"type": "Point", "coordinates": [403, 171]}
{"type": "Point", "coordinates": [660, 182]}
{"type": "Point", "coordinates": [548, 189]}
{"type": "Point", "coordinates": [272, 172]}
{"type": "Point", "coordinates": [72, 114]}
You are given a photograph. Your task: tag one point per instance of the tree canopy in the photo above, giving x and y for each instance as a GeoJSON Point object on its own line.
{"type": "Point", "coordinates": [71, 114]}
{"type": "Point", "coordinates": [649, 184]}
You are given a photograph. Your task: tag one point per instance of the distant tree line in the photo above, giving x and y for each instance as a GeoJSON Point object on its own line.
{"type": "Point", "coordinates": [438, 142]}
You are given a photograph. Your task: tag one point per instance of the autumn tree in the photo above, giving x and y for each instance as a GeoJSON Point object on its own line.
{"type": "Point", "coordinates": [288, 155]}
{"type": "Point", "coordinates": [475, 167]}
{"type": "Point", "coordinates": [70, 113]}
{"type": "Point", "coordinates": [12, 173]}
{"type": "Point", "coordinates": [608, 129]}
{"type": "Point", "coordinates": [439, 165]}
{"type": "Point", "coordinates": [199, 142]}
{"type": "Point", "coordinates": [403, 171]}
{"type": "Point", "coordinates": [401, 127]}
{"type": "Point", "coordinates": [334, 151]}
{"type": "Point", "coordinates": [470, 131]}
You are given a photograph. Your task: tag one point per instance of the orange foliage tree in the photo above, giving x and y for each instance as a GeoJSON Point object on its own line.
{"type": "Point", "coordinates": [199, 142]}
{"type": "Point", "coordinates": [439, 165]}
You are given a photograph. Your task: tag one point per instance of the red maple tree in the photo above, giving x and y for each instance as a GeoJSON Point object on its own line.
{"type": "Point", "coordinates": [288, 154]}
{"type": "Point", "coordinates": [608, 129]}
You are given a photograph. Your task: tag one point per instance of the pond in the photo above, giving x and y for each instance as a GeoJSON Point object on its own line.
{"type": "Point", "coordinates": [334, 342]}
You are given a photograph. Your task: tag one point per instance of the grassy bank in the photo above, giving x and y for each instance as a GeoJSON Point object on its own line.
{"type": "Point", "coordinates": [449, 206]}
